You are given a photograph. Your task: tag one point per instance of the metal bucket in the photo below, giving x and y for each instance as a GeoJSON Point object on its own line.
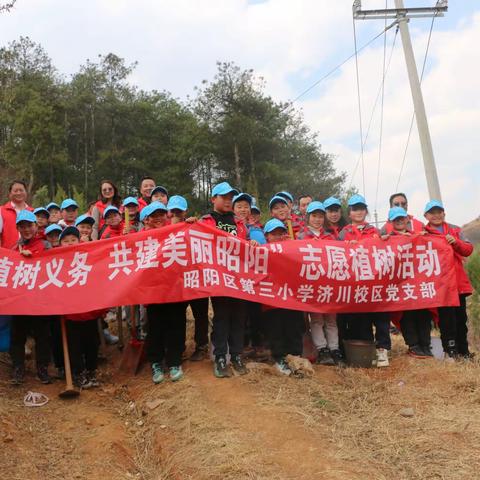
{"type": "Point", "coordinates": [360, 353]}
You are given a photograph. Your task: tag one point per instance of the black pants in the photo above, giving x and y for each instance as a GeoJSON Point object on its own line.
{"type": "Point", "coordinates": [453, 327]}
{"type": "Point", "coordinates": [36, 326]}
{"type": "Point", "coordinates": [255, 331]}
{"type": "Point", "coordinates": [285, 329]}
{"type": "Point", "coordinates": [359, 326]}
{"type": "Point", "coordinates": [166, 327]}
{"type": "Point", "coordinates": [83, 343]}
{"type": "Point", "coordinates": [200, 313]}
{"type": "Point", "coordinates": [416, 326]}
{"type": "Point", "coordinates": [228, 330]}
{"type": "Point", "coordinates": [56, 342]}
{"type": "Point", "coordinates": [342, 323]}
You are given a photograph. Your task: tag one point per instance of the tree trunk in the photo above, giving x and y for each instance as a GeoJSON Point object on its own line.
{"type": "Point", "coordinates": [238, 176]}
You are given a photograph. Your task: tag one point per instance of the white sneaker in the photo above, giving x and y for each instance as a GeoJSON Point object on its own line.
{"type": "Point", "coordinates": [382, 357]}
{"type": "Point", "coordinates": [282, 367]}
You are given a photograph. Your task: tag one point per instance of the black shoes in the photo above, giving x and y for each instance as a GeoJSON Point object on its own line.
{"type": "Point", "coordinates": [42, 374]}
{"type": "Point", "coordinates": [325, 357]}
{"type": "Point", "coordinates": [18, 375]}
{"type": "Point", "coordinates": [238, 365]}
{"type": "Point", "coordinates": [199, 354]}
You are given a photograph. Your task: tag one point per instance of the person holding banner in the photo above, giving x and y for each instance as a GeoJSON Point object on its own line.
{"type": "Point", "coordinates": [285, 328]}
{"type": "Point", "coordinates": [359, 325]}
{"type": "Point", "coordinates": [452, 320]}
{"type": "Point", "coordinates": [38, 327]}
{"type": "Point", "coordinates": [415, 324]}
{"type": "Point", "coordinates": [399, 200]}
{"type": "Point", "coordinates": [17, 201]}
{"type": "Point", "coordinates": [166, 325]}
{"type": "Point", "coordinates": [228, 329]}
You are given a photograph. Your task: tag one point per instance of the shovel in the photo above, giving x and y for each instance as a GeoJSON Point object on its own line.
{"type": "Point", "coordinates": [133, 353]}
{"type": "Point", "coordinates": [70, 391]}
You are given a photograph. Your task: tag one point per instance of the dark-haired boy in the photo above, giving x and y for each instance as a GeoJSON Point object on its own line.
{"type": "Point", "coordinates": [37, 326]}
{"type": "Point", "coordinates": [228, 329]}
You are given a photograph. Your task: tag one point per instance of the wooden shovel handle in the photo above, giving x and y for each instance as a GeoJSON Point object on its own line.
{"type": "Point", "coordinates": [66, 357]}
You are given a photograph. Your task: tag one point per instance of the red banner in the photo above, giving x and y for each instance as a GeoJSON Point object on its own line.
{"type": "Point", "coordinates": [183, 262]}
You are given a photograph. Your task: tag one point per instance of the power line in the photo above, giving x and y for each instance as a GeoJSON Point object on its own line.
{"type": "Point", "coordinates": [375, 103]}
{"type": "Point", "coordinates": [333, 70]}
{"type": "Point", "coordinates": [413, 114]}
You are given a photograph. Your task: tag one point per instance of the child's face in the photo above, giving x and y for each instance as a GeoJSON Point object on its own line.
{"type": "Point", "coordinates": [400, 224]}
{"type": "Point", "coordinates": [113, 219]}
{"type": "Point", "coordinates": [277, 235]}
{"type": "Point", "coordinates": [435, 216]}
{"type": "Point", "coordinates": [52, 238]}
{"type": "Point", "coordinates": [316, 219]}
{"type": "Point", "coordinates": [357, 213]}
{"type": "Point", "coordinates": [132, 211]}
{"type": "Point", "coordinates": [255, 217]}
{"type": "Point", "coordinates": [55, 215]}
{"type": "Point", "coordinates": [69, 240]}
{"type": "Point", "coordinates": [156, 220]}
{"type": "Point", "coordinates": [334, 214]}
{"type": "Point", "coordinates": [280, 210]}
{"type": "Point", "coordinates": [160, 197]}
{"type": "Point", "coordinates": [70, 214]}
{"type": "Point", "coordinates": [27, 230]}
{"type": "Point", "coordinates": [241, 209]}
{"type": "Point", "coordinates": [178, 214]}
{"type": "Point", "coordinates": [42, 219]}
{"type": "Point", "coordinates": [85, 229]}
{"type": "Point", "coordinates": [223, 203]}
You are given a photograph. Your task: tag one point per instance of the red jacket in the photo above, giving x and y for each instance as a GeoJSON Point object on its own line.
{"type": "Point", "coordinates": [414, 225]}
{"type": "Point", "coordinates": [141, 203]}
{"type": "Point", "coordinates": [36, 245]}
{"type": "Point", "coordinates": [353, 232]}
{"type": "Point", "coordinates": [111, 232]}
{"type": "Point", "coordinates": [241, 228]}
{"type": "Point", "coordinates": [461, 248]}
{"type": "Point", "coordinates": [9, 236]}
{"type": "Point", "coordinates": [334, 231]}
{"type": "Point", "coordinates": [306, 233]}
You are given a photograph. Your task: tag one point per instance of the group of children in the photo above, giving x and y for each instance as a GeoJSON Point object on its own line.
{"type": "Point", "coordinates": [235, 322]}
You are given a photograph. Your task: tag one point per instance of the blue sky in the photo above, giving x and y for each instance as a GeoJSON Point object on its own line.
{"type": "Point", "coordinates": [292, 44]}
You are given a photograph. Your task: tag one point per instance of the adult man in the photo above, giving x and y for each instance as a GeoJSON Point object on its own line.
{"type": "Point", "coordinates": [413, 225]}
{"type": "Point", "coordinates": [147, 184]}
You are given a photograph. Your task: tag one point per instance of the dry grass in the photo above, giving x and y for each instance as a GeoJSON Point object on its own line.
{"type": "Point", "coordinates": [358, 412]}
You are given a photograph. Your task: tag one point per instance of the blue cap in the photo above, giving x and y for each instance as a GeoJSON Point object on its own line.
{"type": "Point", "coordinates": [257, 209]}
{"type": "Point", "coordinates": [25, 216]}
{"type": "Point", "coordinates": [433, 204]}
{"type": "Point", "coordinates": [313, 206]}
{"type": "Point", "coordinates": [110, 209]}
{"type": "Point", "coordinates": [85, 218]}
{"type": "Point", "coordinates": [256, 233]}
{"type": "Point", "coordinates": [331, 201]}
{"type": "Point", "coordinates": [243, 196]}
{"type": "Point", "coordinates": [41, 210]}
{"type": "Point", "coordinates": [223, 189]}
{"type": "Point", "coordinates": [151, 208]}
{"type": "Point", "coordinates": [69, 231]}
{"type": "Point", "coordinates": [276, 199]}
{"type": "Point", "coordinates": [52, 205]}
{"type": "Point", "coordinates": [272, 224]}
{"type": "Point", "coordinates": [177, 202]}
{"type": "Point", "coordinates": [356, 200]}
{"type": "Point", "coordinates": [396, 212]}
{"type": "Point", "coordinates": [284, 194]}
{"type": "Point", "coordinates": [69, 202]}
{"type": "Point", "coordinates": [130, 201]}
{"type": "Point", "coordinates": [53, 228]}
{"type": "Point", "coordinates": [159, 189]}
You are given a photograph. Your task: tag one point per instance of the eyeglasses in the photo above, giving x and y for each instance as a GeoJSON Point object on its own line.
{"type": "Point", "coordinates": [400, 204]}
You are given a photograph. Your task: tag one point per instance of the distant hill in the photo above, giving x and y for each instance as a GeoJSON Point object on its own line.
{"type": "Point", "coordinates": [472, 231]}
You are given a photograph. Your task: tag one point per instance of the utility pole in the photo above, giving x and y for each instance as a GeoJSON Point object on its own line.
{"type": "Point", "coordinates": [402, 16]}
